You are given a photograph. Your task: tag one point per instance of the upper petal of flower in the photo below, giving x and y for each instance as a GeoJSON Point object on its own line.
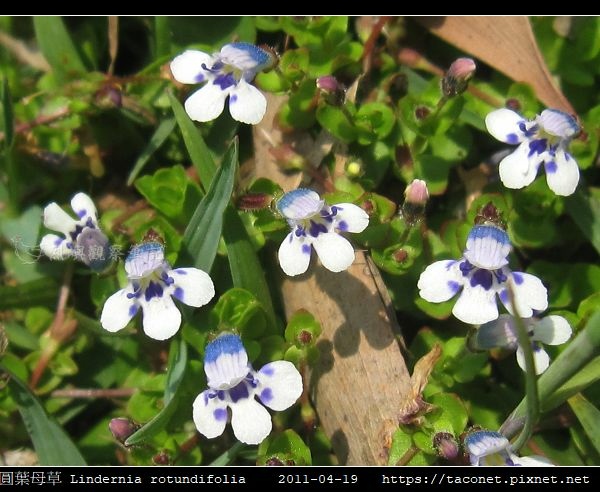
{"type": "Point", "coordinates": [209, 414]}
{"type": "Point", "coordinates": [558, 123]}
{"type": "Point", "coordinates": [57, 219]}
{"type": "Point", "coordinates": [350, 217]}
{"type": "Point", "coordinates": [56, 247]}
{"type": "Point", "coordinates": [519, 169]}
{"type": "Point", "coordinates": [334, 251]}
{"type": "Point", "coordinates": [530, 294]}
{"type": "Point", "coordinates": [143, 259]}
{"type": "Point", "coordinates": [188, 68]}
{"type": "Point", "coordinates": [541, 360]}
{"type": "Point", "coordinates": [245, 56]}
{"type": "Point", "coordinates": [487, 247]}
{"type": "Point", "coordinates": [300, 204]}
{"type": "Point", "coordinates": [505, 125]}
{"type": "Point", "coordinates": [480, 444]}
{"type": "Point", "coordinates": [532, 461]}
{"type": "Point", "coordinates": [118, 310]}
{"type": "Point", "coordinates": [192, 286]}
{"type": "Point", "coordinates": [476, 304]}
{"type": "Point", "coordinates": [440, 281]}
{"type": "Point", "coordinates": [562, 173]}
{"type": "Point", "coordinates": [499, 333]}
{"type": "Point", "coordinates": [225, 361]}
{"type": "Point", "coordinates": [250, 421]}
{"type": "Point", "coordinates": [84, 208]}
{"type": "Point", "coordinates": [280, 385]}
{"type": "Point", "coordinates": [161, 317]}
{"type": "Point", "coordinates": [552, 330]}
{"type": "Point", "coordinates": [294, 254]}
{"type": "Point", "coordinates": [247, 104]}
{"type": "Point", "coordinates": [207, 103]}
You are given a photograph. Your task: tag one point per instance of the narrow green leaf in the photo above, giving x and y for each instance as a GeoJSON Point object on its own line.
{"type": "Point", "coordinates": [589, 417]}
{"type": "Point", "coordinates": [163, 130]}
{"type": "Point", "coordinates": [34, 293]}
{"type": "Point", "coordinates": [201, 237]}
{"type": "Point", "coordinates": [58, 47]}
{"type": "Point", "coordinates": [7, 114]}
{"type": "Point", "coordinates": [228, 456]}
{"type": "Point", "coordinates": [52, 445]}
{"type": "Point", "coordinates": [246, 270]}
{"type": "Point", "coordinates": [584, 209]}
{"type": "Point", "coordinates": [196, 147]}
{"type": "Point", "coordinates": [584, 378]}
{"type": "Point", "coordinates": [177, 365]}
{"type": "Point", "coordinates": [162, 37]}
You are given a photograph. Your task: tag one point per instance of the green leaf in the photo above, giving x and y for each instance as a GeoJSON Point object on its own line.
{"type": "Point", "coordinates": [58, 47]}
{"type": "Point", "coordinates": [238, 309]}
{"type": "Point", "coordinates": [302, 321]}
{"type": "Point", "coordinates": [196, 147]}
{"type": "Point", "coordinates": [589, 417]}
{"type": "Point", "coordinates": [337, 121]}
{"type": "Point", "coordinates": [246, 270]}
{"type": "Point", "coordinates": [229, 456]}
{"type": "Point", "coordinates": [34, 293]}
{"type": "Point", "coordinates": [177, 365]}
{"type": "Point", "coordinates": [288, 447]}
{"type": "Point", "coordinates": [580, 381]}
{"type": "Point", "coordinates": [7, 114]}
{"type": "Point", "coordinates": [584, 209]}
{"type": "Point", "coordinates": [162, 37]}
{"type": "Point", "coordinates": [201, 237]}
{"type": "Point", "coordinates": [165, 190]}
{"type": "Point", "coordinates": [52, 445]}
{"type": "Point", "coordinates": [162, 132]}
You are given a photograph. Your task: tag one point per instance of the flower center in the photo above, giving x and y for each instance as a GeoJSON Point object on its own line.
{"type": "Point", "coordinates": [319, 223]}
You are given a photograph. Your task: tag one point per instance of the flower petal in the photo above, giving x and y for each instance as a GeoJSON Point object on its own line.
{"type": "Point", "coordinates": [187, 67]}
{"type": "Point", "coordinates": [532, 461]}
{"type": "Point", "coordinates": [225, 361]}
{"type": "Point", "coordinates": [57, 219]}
{"type": "Point", "coordinates": [244, 56]}
{"type": "Point", "coordinates": [250, 421]}
{"type": "Point", "coordinates": [476, 305]}
{"type": "Point", "coordinates": [294, 255]}
{"type": "Point", "coordinates": [552, 330]}
{"type": "Point", "coordinates": [280, 385]}
{"type": "Point", "coordinates": [499, 333]}
{"type": "Point", "coordinates": [247, 104]}
{"type": "Point", "coordinates": [207, 103]}
{"type": "Point", "coordinates": [530, 294]}
{"type": "Point", "coordinates": [298, 204]}
{"type": "Point", "coordinates": [350, 218]}
{"type": "Point", "coordinates": [334, 251]}
{"type": "Point", "coordinates": [84, 208]}
{"type": "Point", "coordinates": [562, 173]}
{"type": "Point", "coordinates": [487, 247]}
{"type": "Point", "coordinates": [503, 124]}
{"type": "Point", "coordinates": [558, 123]}
{"type": "Point", "coordinates": [161, 317]}
{"type": "Point", "coordinates": [518, 169]}
{"type": "Point", "coordinates": [209, 414]}
{"type": "Point", "coordinates": [118, 310]}
{"type": "Point", "coordinates": [541, 360]}
{"type": "Point", "coordinates": [480, 444]}
{"type": "Point", "coordinates": [440, 281]}
{"type": "Point", "coordinates": [55, 247]}
{"type": "Point", "coordinates": [192, 286]}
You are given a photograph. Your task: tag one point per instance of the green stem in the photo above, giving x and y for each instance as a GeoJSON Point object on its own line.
{"type": "Point", "coordinates": [531, 395]}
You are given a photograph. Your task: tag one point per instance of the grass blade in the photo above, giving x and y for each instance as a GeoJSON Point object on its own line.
{"type": "Point", "coordinates": [589, 418]}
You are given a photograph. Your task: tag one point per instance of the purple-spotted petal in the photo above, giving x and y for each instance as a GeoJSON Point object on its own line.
{"type": "Point", "coordinates": [247, 104]}
{"type": "Point", "coordinates": [250, 421]}
{"type": "Point", "coordinates": [207, 103]}
{"type": "Point", "coordinates": [280, 385]}
{"type": "Point", "coordinates": [294, 254]}
{"type": "Point", "coordinates": [552, 330]}
{"type": "Point", "coordinates": [562, 173]}
{"type": "Point", "coordinates": [350, 218]}
{"type": "Point", "coordinates": [161, 317]}
{"type": "Point", "coordinates": [503, 124]}
{"type": "Point", "coordinates": [55, 247]}
{"type": "Point", "coordinates": [244, 56]}
{"type": "Point", "coordinates": [57, 219]}
{"type": "Point", "coordinates": [187, 67]}
{"type": "Point", "coordinates": [191, 286]}
{"type": "Point", "coordinates": [84, 208]}
{"type": "Point", "coordinates": [541, 360]}
{"type": "Point", "coordinates": [476, 305]}
{"type": "Point", "coordinates": [440, 281]}
{"type": "Point", "coordinates": [530, 294]}
{"type": "Point", "coordinates": [334, 251]}
{"type": "Point", "coordinates": [209, 414]}
{"type": "Point", "coordinates": [118, 310]}
{"type": "Point", "coordinates": [519, 169]}
{"type": "Point", "coordinates": [558, 123]}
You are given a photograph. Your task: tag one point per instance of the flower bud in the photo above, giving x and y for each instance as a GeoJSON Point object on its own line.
{"type": "Point", "coordinates": [331, 89]}
{"type": "Point", "coordinates": [446, 445]}
{"type": "Point", "coordinates": [354, 168]}
{"type": "Point", "coordinates": [456, 79]}
{"type": "Point", "coordinates": [415, 200]}
{"type": "Point", "coordinates": [92, 249]}
{"type": "Point", "coordinates": [254, 201]}
{"type": "Point", "coordinates": [121, 428]}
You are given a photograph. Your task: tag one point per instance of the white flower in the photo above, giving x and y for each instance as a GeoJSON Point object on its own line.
{"type": "Point", "coordinates": [481, 274]}
{"type": "Point", "coordinates": [502, 333]}
{"type": "Point", "coordinates": [542, 140]}
{"type": "Point", "coordinates": [83, 240]}
{"type": "Point", "coordinates": [489, 448]}
{"type": "Point", "coordinates": [316, 224]}
{"type": "Point", "coordinates": [227, 73]}
{"type": "Point", "coordinates": [152, 282]}
{"type": "Point", "coordinates": [234, 384]}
